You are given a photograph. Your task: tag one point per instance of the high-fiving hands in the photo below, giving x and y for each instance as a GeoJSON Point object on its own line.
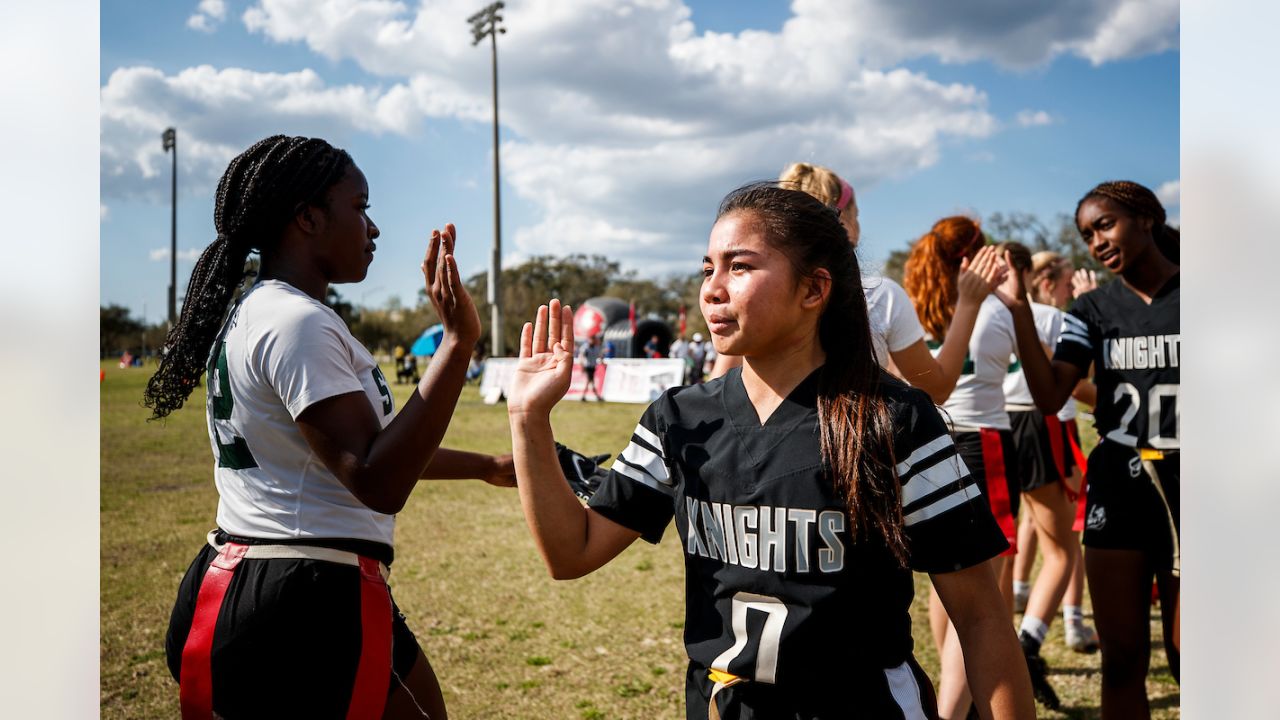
{"type": "Point", "coordinates": [448, 295]}
{"type": "Point", "coordinates": [982, 275]}
{"type": "Point", "coordinates": [545, 367]}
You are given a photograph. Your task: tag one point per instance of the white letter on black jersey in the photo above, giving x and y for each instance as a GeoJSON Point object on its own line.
{"type": "Point", "coordinates": [831, 557]}
{"type": "Point", "coordinates": [725, 512]}
{"type": "Point", "coordinates": [1140, 356]}
{"type": "Point", "coordinates": [773, 539]}
{"type": "Point", "coordinates": [715, 533]}
{"type": "Point", "coordinates": [694, 542]}
{"type": "Point", "coordinates": [803, 519]}
{"type": "Point", "coordinates": [745, 517]}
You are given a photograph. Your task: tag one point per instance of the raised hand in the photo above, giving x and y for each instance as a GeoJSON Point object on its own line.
{"type": "Point", "coordinates": [545, 366]}
{"type": "Point", "coordinates": [448, 295]}
{"type": "Point", "coordinates": [1082, 281]}
{"type": "Point", "coordinates": [981, 276]}
{"type": "Point", "coordinates": [1013, 290]}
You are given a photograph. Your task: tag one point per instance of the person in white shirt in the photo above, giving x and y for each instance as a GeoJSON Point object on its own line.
{"type": "Point", "coordinates": [896, 334]}
{"type": "Point", "coordinates": [311, 460]}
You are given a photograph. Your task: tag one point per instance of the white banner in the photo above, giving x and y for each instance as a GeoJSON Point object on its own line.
{"type": "Point", "coordinates": [625, 380]}
{"type": "Point", "coordinates": [641, 381]}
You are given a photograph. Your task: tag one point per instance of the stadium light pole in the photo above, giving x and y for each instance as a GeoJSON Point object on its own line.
{"type": "Point", "coordinates": [485, 24]}
{"type": "Point", "coordinates": [170, 141]}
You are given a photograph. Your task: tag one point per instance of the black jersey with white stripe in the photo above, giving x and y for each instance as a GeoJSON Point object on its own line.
{"type": "Point", "coordinates": [777, 588]}
{"type": "Point", "coordinates": [1134, 349]}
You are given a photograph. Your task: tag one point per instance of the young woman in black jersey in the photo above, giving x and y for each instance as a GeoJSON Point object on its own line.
{"type": "Point", "coordinates": [1129, 330]}
{"type": "Point", "coordinates": [805, 486]}
{"type": "Point", "coordinates": [285, 611]}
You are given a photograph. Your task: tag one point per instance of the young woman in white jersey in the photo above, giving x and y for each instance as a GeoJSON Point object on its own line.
{"type": "Point", "coordinates": [1128, 331]}
{"type": "Point", "coordinates": [1052, 282]}
{"type": "Point", "coordinates": [976, 413]}
{"type": "Point", "coordinates": [896, 334]}
{"type": "Point", "coordinates": [805, 486]}
{"type": "Point", "coordinates": [285, 612]}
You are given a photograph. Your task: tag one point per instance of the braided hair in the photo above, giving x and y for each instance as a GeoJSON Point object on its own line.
{"type": "Point", "coordinates": [929, 275]}
{"type": "Point", "coordinates": [1140, 201]}
{"type": "Point", "coordinates": [262, 190]}
{"type": "Point", "coordinates": [856, 430]}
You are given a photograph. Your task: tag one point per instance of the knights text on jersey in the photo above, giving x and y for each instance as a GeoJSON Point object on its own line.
{"type": "Point", "coordinates": [778, 589]}
{"type": "Point", "coordinates": [1134, 348]}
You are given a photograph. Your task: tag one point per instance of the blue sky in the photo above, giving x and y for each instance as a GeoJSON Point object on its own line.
{"type": "Point", "coordinates": [625, 122]}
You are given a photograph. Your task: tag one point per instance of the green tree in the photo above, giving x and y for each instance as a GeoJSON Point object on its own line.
{"type": "Point", "coordinates": [118, 331]}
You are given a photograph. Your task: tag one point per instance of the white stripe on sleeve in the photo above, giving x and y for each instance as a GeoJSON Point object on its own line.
{"type": "Point", "coordinates": [905, 691]}
{"type": "Point", "coordinates": [942, 505]}
{"type": "Point", "coordinates": [923, 452]}
{"type": "Point", "coordinates": [641, 457]}
{"type": "Point", "coordinates": [641, 477]}
{"type": "Point", "coordinates": [648, 436]}
{"type": "Point", "coordinates": [933, 478]}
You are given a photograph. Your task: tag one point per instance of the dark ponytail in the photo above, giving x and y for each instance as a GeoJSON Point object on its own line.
{"type": "Point", "coordinates": [856, 428]}
{"type": "Point", "coordinates": [1139, 200]}
{"type": "Point", "coordinates": [261, 191]}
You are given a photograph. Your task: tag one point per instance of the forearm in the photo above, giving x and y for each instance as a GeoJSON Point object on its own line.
{"type": "Point", "coordinates": [955, 348]}
{"type": "Point", "coordinates": [449, 464]}
{"type": "Point", "coordinates": [400, 454]}
{"type": "Point", "coordinates": [1048, 390]}
{"type": "Point", "coordinates": [556, 519]}
{"type": "Point", "coordinates": [1086, 392]}
{"type": "Point", "coordinates": [995, 668]}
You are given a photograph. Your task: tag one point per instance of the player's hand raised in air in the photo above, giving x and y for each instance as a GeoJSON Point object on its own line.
{"type": "Point", "coordinates": [980, 276]}
{"type": "Point", "coordinates": [545, 366]}
{"type": "Point", "coordinates": [1013, 291]}
{"type": "Point", "coordinates": [448, 295]}
{"type": "Point", "coordinates": [1082, 281]}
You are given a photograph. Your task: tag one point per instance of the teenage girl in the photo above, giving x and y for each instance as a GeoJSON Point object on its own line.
{"type": "Point", "coordinates": [896, 334]}
{"type": "Point", "coordinates": [976, 414]}
{"type": "Point", "coordinates": [285, 611]}
{"type": "Point", "coordinates": [1128, 330]}
{"type": "Point", "coordinates": [805, 486]}
{"type": "Point", "coordinates": [1052, 283]}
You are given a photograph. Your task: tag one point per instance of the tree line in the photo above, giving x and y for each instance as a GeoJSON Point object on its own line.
{"type": "Point", "coordinates": [574, 279]}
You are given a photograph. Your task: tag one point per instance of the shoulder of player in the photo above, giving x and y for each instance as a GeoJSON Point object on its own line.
{"type": "Point", "coordinates": [904, 401]}
{"type": "Point", "coordinates": [277, 312]}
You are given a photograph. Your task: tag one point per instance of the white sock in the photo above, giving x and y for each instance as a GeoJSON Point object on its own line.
{"type": "Point", "coordinates": [1021, 588]}
{"type": "Point", "coordinates": [1034, 627]}
{"type": "Point", "coordinates": [1073, 615]}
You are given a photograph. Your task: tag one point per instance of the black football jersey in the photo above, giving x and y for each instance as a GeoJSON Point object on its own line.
{"type": "Point", "coordinates": [777, 588]}
{"type": "Point", "coordinates": [1134, 349]}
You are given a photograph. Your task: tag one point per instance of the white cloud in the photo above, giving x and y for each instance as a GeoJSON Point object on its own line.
{"type": "Point", "coordinates": [189, 255]}
{"type": "Point", "coordinates": [208, 16]}
{"type": "Point", "coordinates": [626, 122]}
{"type": "Point", "coordinates": [1033, 118]}
{"type": "Point", "coordinates": [1170, 194]}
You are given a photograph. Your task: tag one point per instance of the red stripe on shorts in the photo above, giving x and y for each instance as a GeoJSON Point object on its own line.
{"type": "Point", "coordinates": [1082, 463]}
{"type": "Point", "coordinates": [1053, 426]}
{"type": "Point", "coordinates": [195, 681]}
{"type": "Point", "coordinates": [998, 486]}
{"type": "Point", "coordinates": [373, 675]}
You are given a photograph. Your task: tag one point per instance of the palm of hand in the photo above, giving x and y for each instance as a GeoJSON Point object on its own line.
{"type": "Point", "coordinates": [542, 378]}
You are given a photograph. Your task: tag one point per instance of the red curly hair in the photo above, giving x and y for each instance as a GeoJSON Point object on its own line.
{"type": "Point", "coordinates": [929, 276]}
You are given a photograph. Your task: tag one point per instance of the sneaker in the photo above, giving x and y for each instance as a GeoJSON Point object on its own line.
{"type": "Point", "coordinates": [1040, 686]}
{"type": "Point", "coordinates": [1082, 638]}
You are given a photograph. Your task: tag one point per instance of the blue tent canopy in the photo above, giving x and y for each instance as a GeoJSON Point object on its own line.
{"type": "Point", "coordinates": [429, 342]}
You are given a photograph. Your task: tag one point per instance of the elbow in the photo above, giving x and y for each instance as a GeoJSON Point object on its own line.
{"type": "Point", "coordinates": [564, 572]}
{"type": "Point", "coordinates": [386, 506]}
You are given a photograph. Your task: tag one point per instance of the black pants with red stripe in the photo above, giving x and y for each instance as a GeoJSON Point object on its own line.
{"type": "Point", "coordinates": [288, 638]}
{"type": "Point", "coordinates": [987, 461]}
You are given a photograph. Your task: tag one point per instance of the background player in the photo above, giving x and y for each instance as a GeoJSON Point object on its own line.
{"type": "Point", "coordinates": [1129, 331]}
{"type": "Point", "coordinates": [311, 462]}
{"type": "Point", "coordinates": [1053, 283]}
{"type": "Point", "coordinates": [804, 485]}
{"type": "Point", "coordinates": [976, 414]}
{"type": "Point", "coordinates": [895, 331]}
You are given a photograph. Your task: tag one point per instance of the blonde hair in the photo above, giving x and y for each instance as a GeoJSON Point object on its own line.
{"type": "Point", "coordinates": [1046, 265]}
{"type": "Point", "coordinates": [816, 180]}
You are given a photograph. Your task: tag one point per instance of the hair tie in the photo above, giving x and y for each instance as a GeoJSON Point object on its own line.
{"type": "Point", "coordinates": [846, 194]}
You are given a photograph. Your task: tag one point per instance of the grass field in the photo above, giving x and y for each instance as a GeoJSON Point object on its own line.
{"type": "Point", "coordinates": [506, 640]}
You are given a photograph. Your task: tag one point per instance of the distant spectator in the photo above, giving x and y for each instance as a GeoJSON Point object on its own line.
{"type": "Point", "coordinates": [651, 348]}
{"type": "Point", "coordinates": [589, 357]}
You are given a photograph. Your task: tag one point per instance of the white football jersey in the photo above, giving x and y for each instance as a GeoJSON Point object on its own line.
{"type": "Point", "coordinates": [280, 352]}
{"type": "Point", "coordinates": [894, 324]}
{"type": "Point", "coordinates": [978, 400]}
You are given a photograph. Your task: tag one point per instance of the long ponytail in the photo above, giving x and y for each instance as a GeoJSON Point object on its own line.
{"type": "Point", "coordinates": [929, 275]}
